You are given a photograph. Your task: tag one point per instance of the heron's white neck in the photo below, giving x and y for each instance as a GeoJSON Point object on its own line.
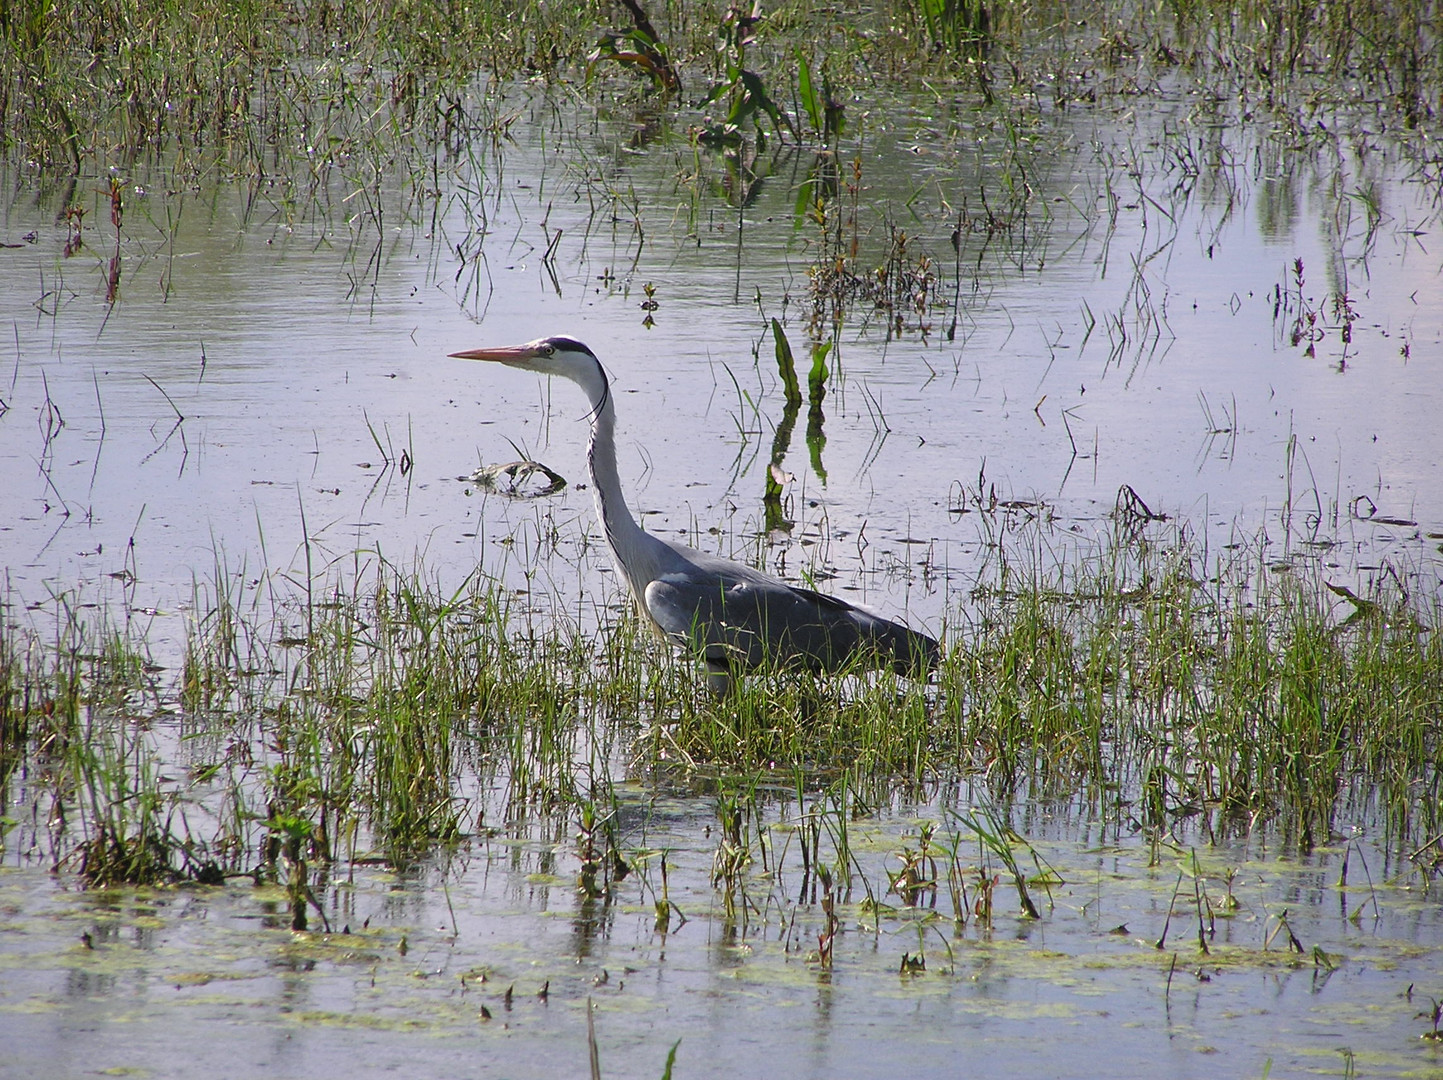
{"type": "Point", "coordinates": [631, 548]}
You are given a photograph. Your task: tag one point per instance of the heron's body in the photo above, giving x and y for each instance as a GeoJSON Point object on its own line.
{"type": "Point", "coordinates": [736, 617]}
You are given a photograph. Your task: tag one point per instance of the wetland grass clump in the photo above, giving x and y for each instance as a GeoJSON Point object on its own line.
{"type": "Point", "coordinates": [1309, 705]}
{"type": "Point", "coordinates": [269, 90]}
{"type": "Point", "coordinates": [1231, 690]}
{"type": "Point", "coordinates": [131, 819]}
{"type": "Point", "coordinates": [81, 776]}
{"type": "Point", "coordinates": [876, 724]}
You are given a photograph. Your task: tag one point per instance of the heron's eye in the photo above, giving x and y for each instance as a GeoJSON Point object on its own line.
{"type": "Point", "coordinates": [548, 350]}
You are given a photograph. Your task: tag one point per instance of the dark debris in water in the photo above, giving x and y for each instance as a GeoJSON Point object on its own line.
{"type": "Point", "coordinates": [518, 479]}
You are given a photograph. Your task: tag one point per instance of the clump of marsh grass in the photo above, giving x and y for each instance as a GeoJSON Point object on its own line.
{"type": "Point", "coordinates": [76, 753]}
{"type": "Point", "coordinates": [252, 84]}
{"type": "Point", "coordinates": [131, 820]}
{"type": "Point", "coordinates": [1219, 688]}
{"type": "Point", "coordinates": [876, 723]}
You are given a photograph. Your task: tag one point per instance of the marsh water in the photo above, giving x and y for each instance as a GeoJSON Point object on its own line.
{"type": "Point", "coordinates": [442, 972]}
{"type": "Point", "coordinates": [1241, 331]}
{"type": "Point", "coordinates": [265, 363]}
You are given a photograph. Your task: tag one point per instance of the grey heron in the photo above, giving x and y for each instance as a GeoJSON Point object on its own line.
{"type": "Point", "coordinates": [735, 617]}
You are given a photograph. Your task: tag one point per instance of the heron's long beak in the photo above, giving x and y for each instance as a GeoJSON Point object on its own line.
{"type": "Point", "coordinates": [509, 354]}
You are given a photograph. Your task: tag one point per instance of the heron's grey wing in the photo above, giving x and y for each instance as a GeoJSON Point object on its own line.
{"type": "Point", "coordinates": [907, 650]}
{"type": "Point", "coordinates": [709, 614]}
{"type": "Point", "coordinates": [744, 621]}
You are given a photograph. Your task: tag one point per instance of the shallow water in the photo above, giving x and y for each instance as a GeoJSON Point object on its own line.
{"type": "Point", "coordinates": [173, 979]}
{"type": "Point", "coordinates": [306, 350]}
{"type": "Point", "coordinates": [264, 367]}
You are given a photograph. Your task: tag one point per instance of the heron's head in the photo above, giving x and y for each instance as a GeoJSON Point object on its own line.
{"type": "Point", "coordinates": [546, 356]}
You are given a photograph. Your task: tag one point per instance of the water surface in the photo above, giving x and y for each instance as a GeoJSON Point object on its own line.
{"type": "Point", "coordinates": [268, 393]}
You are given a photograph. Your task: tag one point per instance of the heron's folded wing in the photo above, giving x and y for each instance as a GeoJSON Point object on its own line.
{"type": "Point", "coordinates": [748, 623]}
{"type": "Point", "coordinates": [829, 632]}
{"type": "Point", "coordinates": [723, 619]}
